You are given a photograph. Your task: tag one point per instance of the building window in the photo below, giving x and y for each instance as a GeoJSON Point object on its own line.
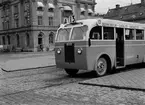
{"type": "Point", "coordinates": [16, 23]}
{"type": "Point", "coordinates": [8, 24]}
{"type": "Point", "coordinates": [7, 11]}
{"type": "Point", "coordinates": [3, 25]}
{"type": "Point", "coordinates": [40, 6]}
{"type": "Point", "coordinates": [3, 13]}
{"type": "Point", "coordinates": [4, 40]}
{"type": "Point", "coordinates": [50, 10]}
{"type": "Point", "coordinates": [9, 41]}
{"type": "Point", "coordinates": [26, 20]}
{"type": "Point", "coordinates": [18, 40]}
{"type": "Point", "coordinates": [51, 38]}
{"type": "Point", "coordinates": [51, 7]}
{"type": "Point", "coordinates": [40, 20]}
{"type": "Point", "coordinates": [83, 11]}
{"type": "Point", "coordinates": [16, 10]}
{"type": "Point", "coordinates": [50, 21]}
{"type": "Point", "coordinates": [90, 12]}
{"type": "Point", "coordinates": [28, 39]}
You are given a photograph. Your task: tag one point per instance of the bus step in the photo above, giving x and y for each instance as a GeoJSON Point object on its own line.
{"type": "Point", "coordinates": [119, 63]}
{"type": "Point", "coordinates": [119, 67]}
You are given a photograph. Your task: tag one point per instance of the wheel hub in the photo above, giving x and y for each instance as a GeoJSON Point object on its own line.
{"type": "Point", "coordinates": [101, 67]}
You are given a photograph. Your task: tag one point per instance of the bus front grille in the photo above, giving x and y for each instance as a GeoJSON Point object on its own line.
{"type": "Point", "coordinates": [69, 53]}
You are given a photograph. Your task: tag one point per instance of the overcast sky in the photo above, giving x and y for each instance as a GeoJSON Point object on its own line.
{"type": "Point", "coordinates": [103, 5]}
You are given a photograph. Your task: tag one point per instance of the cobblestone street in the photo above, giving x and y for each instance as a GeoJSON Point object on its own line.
{"type": "Point", "coordinates": [57, 90]}
{"type": "Point", "coordinates": [75, 94]}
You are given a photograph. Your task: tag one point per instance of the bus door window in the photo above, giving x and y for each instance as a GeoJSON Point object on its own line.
{"type": "Point", "coordinates": [96, 33]}
{"type": "Point", "coordinates": [79, 33]}
{"type": "Point", "coordinates": [108, 33]}
{"type": "Point", "coordinates": [129, 34]}
{"type": "Point", "coordinates": [139, 34]}
{"type": "Point", "coordinates": [63, 34]}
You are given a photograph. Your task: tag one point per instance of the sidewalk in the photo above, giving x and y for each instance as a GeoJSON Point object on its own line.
{"type": "Point", "coordinates": [21, 61]}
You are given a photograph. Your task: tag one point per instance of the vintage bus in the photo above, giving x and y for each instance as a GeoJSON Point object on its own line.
{"type": "Point", "coordinates": [99, 44]}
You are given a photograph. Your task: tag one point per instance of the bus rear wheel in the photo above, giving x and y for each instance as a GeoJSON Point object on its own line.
{"type": "Point", "coordinates": [71, 72]}
{"type": "Point", "coordinates": [101, 66]}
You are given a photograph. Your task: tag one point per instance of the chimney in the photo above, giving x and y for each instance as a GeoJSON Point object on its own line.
{"type": "Point", "coordinates": [117, 6]}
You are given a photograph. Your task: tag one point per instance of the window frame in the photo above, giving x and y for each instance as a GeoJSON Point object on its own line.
{"type": "Point", "coordinates": [68, 36]}
{"type": "Point", "coordinates": [40, 20]}
{"type": "Point", "coordinates": [103, 34]}
{"type": "Point", "coordinates": [96, 32]}
{"type": "Point", "coordinates": [50, 21]}
{"type": "Point", "coordinates": [143, 35]}
{"type": "Point", "coordinates": [4, 40]}
{"type": "Point", "coordinates": [16, 22]}
{"type": "Point", "coordinates": [16, 9]}
{"type": "Point", "coordinates": [9, 39]}
{"type": "Point", "coordinates": [72, 33]}
{"type": "Point", "coordinates": [134, 31]}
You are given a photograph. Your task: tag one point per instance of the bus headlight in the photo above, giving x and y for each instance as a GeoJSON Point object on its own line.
{"type": "Point", "coordinates": [58, 51]}
{"type": "Point", "coordinates": [79, 51]}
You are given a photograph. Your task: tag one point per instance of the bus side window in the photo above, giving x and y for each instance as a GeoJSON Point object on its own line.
{"type": "Point", "coordinates": [108, 33]}
{"type": "Point", "coordinates": [139, 34]}
{"type": "Point", "coordinates": [129, 34]}
{"type": "Point", "coordinates": [96, 33]}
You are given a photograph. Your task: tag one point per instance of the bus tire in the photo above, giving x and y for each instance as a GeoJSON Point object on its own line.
{"type": "Point", "coordinates": [71, 72]}
{"type": "Point", "coordinates": [101, 66]}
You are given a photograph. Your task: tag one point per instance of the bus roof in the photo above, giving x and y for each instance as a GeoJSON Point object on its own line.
{"type": "Point", "coordinates": [107, 23]}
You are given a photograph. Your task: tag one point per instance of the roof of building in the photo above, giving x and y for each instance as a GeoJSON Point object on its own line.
{"type": "Point", "coordinates": [127, 13]}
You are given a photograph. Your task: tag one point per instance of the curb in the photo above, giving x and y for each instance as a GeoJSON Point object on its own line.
{"type": "Point", "coordinates": [26, 68]}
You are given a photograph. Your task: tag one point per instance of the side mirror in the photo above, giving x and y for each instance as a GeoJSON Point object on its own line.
{"type": "Point", "coordinates": [89, 42]}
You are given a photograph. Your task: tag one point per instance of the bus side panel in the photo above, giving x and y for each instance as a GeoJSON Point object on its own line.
{"type": "Point", "coordinates": [99, 48]}
{"type": "Point", "coordinates": [134, 52]}
{"type": "Point", "coordinates": [80, 59]}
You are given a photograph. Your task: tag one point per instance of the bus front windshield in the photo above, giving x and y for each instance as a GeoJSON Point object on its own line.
{"type": "Point", "coordinates": [79, 33]}
{"type": "Point", "coordinates": [63, 34]}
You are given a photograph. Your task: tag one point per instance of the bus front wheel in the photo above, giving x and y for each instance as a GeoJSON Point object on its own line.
{"type": "Point", "coordinates": [101, 66]}
{"type": "Point", "coordinates": [71, 72]}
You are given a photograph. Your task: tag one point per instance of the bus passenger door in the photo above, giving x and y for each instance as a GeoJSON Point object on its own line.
{"type": "Point", "coordinates": [119, 47]}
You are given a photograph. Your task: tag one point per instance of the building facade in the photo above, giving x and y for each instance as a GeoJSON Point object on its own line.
{"type": "Point", "coordinates": [131, 13]}
{"type": "Point", "coordinates": [30, 25]}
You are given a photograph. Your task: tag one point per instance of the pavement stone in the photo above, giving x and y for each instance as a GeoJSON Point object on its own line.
{"type": "Point", "coordinates": [82, 94]}
{"type": "Point", "coordinates": [134, 80]}
{"type": "Point", "coordinates": [77, 94]}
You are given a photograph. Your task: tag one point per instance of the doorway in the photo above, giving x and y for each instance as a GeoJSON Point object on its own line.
{"type": "Point", "coordinates": [119, 47]}
{"type": "Point", "coordinates": [40, 42]}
